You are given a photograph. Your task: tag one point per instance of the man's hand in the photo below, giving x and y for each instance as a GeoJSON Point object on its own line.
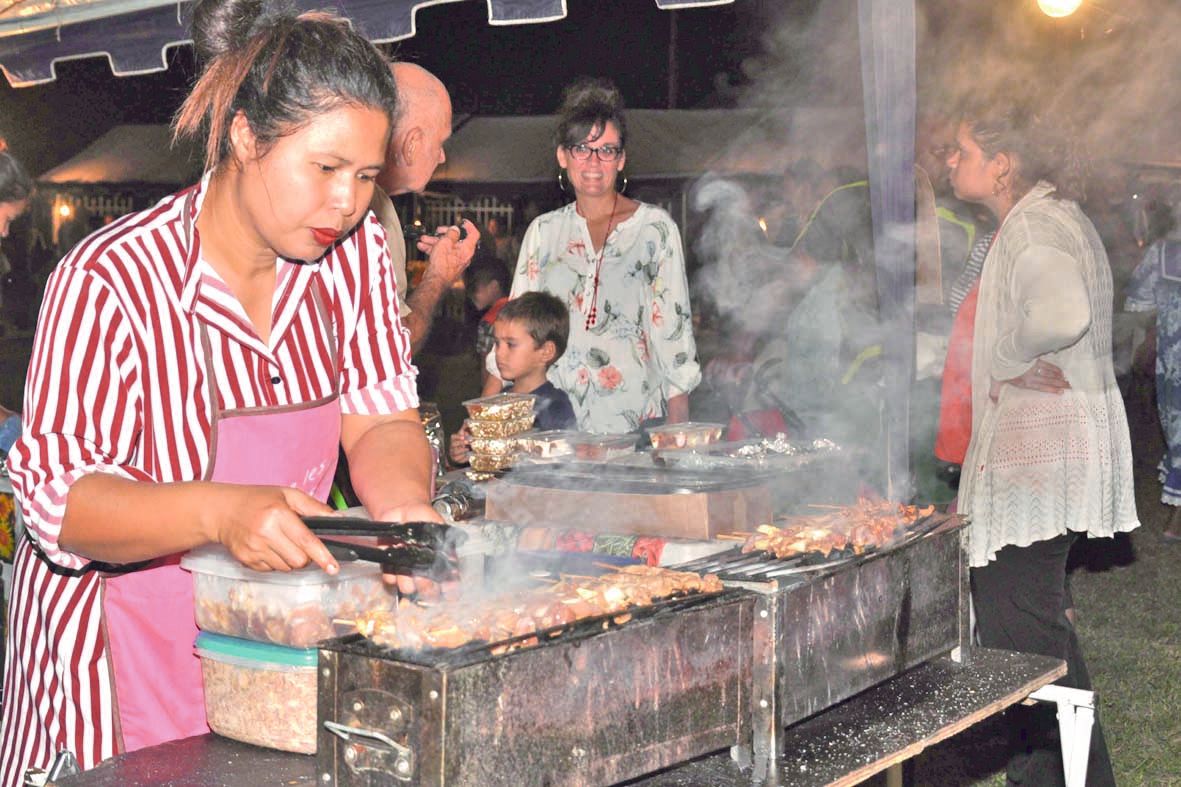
{"type": "Point", "coordinates": [1042, 376]}
{"type": "Point", "coordinates": [447, 255]}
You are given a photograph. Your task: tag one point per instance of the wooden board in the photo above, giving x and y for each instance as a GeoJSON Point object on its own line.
{"type": "Point", "coordinates": [694, 515]}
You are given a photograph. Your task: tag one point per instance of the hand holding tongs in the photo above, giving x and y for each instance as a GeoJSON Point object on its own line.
{"type": "Point", "coordinates": [423, 548]}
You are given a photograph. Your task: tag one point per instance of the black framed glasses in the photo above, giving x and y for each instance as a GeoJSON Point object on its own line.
{"type": "Point", "coordinates": [607, 153]}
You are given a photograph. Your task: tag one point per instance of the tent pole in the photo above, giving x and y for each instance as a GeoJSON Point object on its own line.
{"type": "Point", "coordinates": [887, 37]}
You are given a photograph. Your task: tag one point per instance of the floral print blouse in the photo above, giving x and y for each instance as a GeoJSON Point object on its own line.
{"type": "Point", "coordinates": [640, 350]}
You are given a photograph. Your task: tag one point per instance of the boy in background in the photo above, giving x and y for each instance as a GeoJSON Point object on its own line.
{"type": "Point", "coordinates": [486, 282]}
{"type": "Point", "coordinates": [530, 333]}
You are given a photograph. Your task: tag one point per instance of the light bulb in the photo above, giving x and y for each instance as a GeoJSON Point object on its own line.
{"type": "Point", "coordinates": [1058, 8]}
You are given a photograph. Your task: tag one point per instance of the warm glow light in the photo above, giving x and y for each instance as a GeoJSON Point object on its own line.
{"type": "Point", "coordinates": [64, 210]}
{"type": "Point", "coordinates": [1058, 8]}
{"type": "Point", "coordinates": [763, 224]}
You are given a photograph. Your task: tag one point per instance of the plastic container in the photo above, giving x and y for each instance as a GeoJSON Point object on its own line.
{"type": "Point", "coordinates": [602, 447]}
{"type": "Point", "coordinates": [496, 429]}
{"type": "Point", "coordinates": [546, 445]}
{"type": "Point", "coordinates": [691, 434]}
{"type": "Point", "coordinates": [292, 608]}
{"type": "Point", "coordinates": [490, 463]}
{"type": "Point", "coordinates": [494, 445]}
{"type": "Point", "coordinates": [501, 407]}
{"type": "Point", "coordinates": [259, 693]}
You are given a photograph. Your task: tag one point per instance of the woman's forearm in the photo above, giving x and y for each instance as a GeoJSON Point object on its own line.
{"type": "Point", "coordinates": [117, 520]}
{"type": "Point", "coordinates": [390, 466]}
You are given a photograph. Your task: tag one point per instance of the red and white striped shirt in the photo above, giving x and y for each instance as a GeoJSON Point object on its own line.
{"type": "Point", "coordinates": [117, 384]}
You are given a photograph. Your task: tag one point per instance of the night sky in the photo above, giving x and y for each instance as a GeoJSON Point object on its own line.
{"type": "Point", "coordinates": [518, 69]}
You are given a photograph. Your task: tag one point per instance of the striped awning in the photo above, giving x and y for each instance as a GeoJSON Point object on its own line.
{"type": "Point", "coordinates": [135, 34]}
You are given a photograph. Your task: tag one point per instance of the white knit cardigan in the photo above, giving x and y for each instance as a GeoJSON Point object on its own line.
{"type": "Point", "coordinates": [1041, 464]}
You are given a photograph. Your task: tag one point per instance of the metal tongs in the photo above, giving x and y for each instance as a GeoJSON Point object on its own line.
{"type": "Point", "coordinates": [423, 548]}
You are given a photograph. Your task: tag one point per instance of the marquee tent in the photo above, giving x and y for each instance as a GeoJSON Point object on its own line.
{"type": "Point", "coordinates": [134, 35]}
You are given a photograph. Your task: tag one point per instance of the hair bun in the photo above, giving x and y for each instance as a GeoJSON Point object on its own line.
{"type": "Point", "coordinates": [601, 94]}
{"type": "Point", "coordinates": [220, 26]}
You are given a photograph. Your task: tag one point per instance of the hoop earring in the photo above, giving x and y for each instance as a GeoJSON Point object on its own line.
{"type": "Point", "coordinates": [562, 179]}
{"type": "Point", "coordinates": [621, 188]}
{"type": "Point", "coordinates": [998, 188]}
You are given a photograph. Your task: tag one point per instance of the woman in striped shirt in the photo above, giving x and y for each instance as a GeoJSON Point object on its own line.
{"type": "Point", "coordinates": [195, 367]}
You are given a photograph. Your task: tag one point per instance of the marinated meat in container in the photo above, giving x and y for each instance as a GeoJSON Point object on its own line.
{"type": "Point", "coordinates": [546, 445]}
{"type": "Point", "coordinates": [601, 447]}
{"type": "Point", "coordinates": [691, 434]}
{"type": "Point", "coordinates": [259, 693]}
{"type": "Point", "coordinates": [292, 608]}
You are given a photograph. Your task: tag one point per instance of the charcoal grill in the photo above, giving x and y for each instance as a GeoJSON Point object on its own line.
{"type": "Point", "coordinates": [596, 702]}
{"type": "Point", "coordinates": [826, 630]}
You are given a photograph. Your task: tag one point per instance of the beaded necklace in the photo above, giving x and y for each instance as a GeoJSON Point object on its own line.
{"type": "Point", "coordinates": [593, 314]}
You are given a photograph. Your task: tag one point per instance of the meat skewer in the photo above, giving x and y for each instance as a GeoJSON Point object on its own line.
{"type": "Point", "coordinates": [521, 618]}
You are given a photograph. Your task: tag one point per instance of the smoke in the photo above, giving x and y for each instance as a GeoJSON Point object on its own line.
{"type": "Point", "coordinates": [1107, 76]}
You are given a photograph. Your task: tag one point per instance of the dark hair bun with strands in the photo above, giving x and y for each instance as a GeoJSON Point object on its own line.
{"type": "Point", "coordinates": [589, 104]}
{"type": "Point", "coordinates": [280, 69]}
{"type": "Point", "coordinates": [220, 27]}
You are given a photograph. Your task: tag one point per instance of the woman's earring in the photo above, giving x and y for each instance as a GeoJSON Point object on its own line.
{"type": "Point", "coordinates": [562, 179]}
{"type": "Point", "coordinates": [621, 188]}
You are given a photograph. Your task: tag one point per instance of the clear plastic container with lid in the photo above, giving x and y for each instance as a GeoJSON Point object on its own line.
{"type": "Point", "coordinates": [602, 447]}
{"type": "Point", "coordinates": [546, 444]}
{"type": "Point", "coordinates": [292, 608]}
{"type": "Point", "coordinates": [259, 693]}
{"type": "Point", "coordinates": [501, 407]}
{"type": "Point", "coordinates": [690, 434]}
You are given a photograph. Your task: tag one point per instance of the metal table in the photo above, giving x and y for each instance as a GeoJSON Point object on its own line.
{"type": "Point", "coordinates": [843, 745]}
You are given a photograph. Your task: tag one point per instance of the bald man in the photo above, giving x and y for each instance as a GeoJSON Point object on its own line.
{"type": "Point", "coordinates": [416, 150]}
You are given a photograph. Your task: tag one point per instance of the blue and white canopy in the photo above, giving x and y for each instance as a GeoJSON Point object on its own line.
{"type": "Point", "coordinates": [135, 34]}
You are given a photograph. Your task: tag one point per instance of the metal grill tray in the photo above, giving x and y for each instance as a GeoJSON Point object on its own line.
{"type": "Point", "coordinates": [479, 651]}
{"type": "Point", "coordinates": [605, 477]}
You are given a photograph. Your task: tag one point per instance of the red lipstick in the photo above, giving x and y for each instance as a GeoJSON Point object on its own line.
{"type": "Point", "coordinates": [325, 237]}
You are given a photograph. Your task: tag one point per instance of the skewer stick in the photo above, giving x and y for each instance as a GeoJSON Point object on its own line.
{"type": "Point", "coordinates": [735, 536]}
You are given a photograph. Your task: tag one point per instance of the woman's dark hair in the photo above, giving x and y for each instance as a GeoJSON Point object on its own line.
{"type": "Point", "coordinates": [280, 70]}
{"type": "Point", "coordinates": [544, 316]}
{"type": "Point", "coordinates": [15, 183]}
{"type": "Point", "coordinates": [589, 104]}
{"type": "Point", "coordinates": [1044, 145]}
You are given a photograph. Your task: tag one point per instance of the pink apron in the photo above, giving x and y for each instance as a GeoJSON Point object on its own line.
{"type": "Point", "coordinates": [148, 614]}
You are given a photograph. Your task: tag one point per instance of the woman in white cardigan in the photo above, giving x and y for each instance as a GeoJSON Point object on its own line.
{"type": "Point", "coordinates": [1050, 455]}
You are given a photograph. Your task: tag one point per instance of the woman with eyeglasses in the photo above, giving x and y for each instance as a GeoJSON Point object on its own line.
{"type": "Point", "coordinates": [618, 265]}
